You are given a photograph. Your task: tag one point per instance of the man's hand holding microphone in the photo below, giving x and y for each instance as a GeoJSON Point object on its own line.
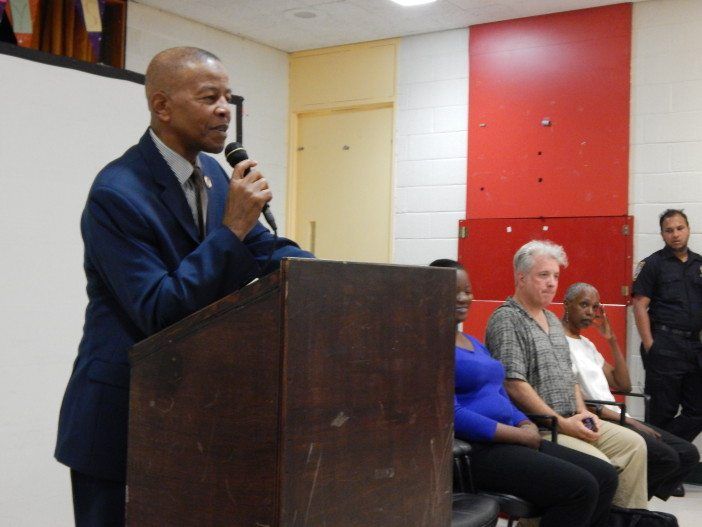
{"type": "Point", "coordinates": [248, 195]}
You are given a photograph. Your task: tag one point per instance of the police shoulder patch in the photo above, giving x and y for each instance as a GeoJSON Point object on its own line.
{"type": "Point", "coordinates": [639, 266]}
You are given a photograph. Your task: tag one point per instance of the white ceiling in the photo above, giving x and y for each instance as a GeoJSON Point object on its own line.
{"type": "Point", "coordinates": [288, 25]}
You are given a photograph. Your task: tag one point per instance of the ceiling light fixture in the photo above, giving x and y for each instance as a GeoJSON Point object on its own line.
{"type": "Point", "coordinates": [305, 14]}
{"type": "Point", "coordinates": [408, 3]}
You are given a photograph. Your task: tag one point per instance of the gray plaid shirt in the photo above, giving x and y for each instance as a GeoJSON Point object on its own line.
{"type": "Point", "coordinates": [531, 355]}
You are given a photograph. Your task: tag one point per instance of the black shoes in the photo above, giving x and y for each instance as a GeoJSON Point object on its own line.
{"type": "Point", "coordinates": [678, 491]}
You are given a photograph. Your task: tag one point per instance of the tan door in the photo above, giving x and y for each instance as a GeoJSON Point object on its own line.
{"type": "Point", "coordinates": [344, 167]}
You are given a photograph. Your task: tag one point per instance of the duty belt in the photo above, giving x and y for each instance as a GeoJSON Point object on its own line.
{"type": "Point", "coordinates": [679, 332]}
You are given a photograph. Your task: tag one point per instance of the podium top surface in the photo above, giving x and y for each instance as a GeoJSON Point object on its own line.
{"type": "Point", "coordinates": [290, 269]}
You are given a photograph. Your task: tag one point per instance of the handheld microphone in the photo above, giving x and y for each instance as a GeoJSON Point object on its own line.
{"type": "Point", "coordinates": [235, 153]}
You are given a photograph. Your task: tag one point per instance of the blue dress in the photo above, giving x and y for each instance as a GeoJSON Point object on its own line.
{"type": "Point", "coordinates": [481, 401]}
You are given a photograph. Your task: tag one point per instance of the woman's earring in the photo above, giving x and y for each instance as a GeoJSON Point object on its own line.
{"type": "Point", "coordinates": [565, 316]}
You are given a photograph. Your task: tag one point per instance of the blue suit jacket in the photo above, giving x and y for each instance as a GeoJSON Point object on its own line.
{"type": "Point", "coordinates": [145, 270]}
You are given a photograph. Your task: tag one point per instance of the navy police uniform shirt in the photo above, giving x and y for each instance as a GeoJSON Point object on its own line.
{"type": "Point", "coordinates": [674, 287]}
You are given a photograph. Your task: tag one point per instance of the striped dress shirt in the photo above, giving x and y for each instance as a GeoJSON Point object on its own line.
{"type": "Point", "coordinates": [182, 169]}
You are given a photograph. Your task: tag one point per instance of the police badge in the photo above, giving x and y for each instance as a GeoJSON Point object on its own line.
{"type": "Point", "coordinates": [640, 265]}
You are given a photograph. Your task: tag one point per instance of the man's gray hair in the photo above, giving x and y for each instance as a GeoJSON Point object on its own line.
{"type": "Point", "coordinates": [527, 253]}
{"type": "Point", "coordinates": [576, 289]}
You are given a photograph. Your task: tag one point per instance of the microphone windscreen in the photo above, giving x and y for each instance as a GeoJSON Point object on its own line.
{"type": "Point", "coordinates": [235, 153]}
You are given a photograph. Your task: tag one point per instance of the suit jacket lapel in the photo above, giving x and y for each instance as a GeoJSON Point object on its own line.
{"type": "Point", "coordinates": [172, 194]}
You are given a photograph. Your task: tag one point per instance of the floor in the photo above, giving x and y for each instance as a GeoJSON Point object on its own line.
{"type": "Point", "coordinates": [688, 510]}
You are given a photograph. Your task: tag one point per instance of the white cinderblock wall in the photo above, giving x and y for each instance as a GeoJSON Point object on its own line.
{"type": "Point", "coordinates": [666, 118]}
{"type": "Point", "coordinates": [666, 128]}
{"type": "Point", "coordinates": [430, 146]}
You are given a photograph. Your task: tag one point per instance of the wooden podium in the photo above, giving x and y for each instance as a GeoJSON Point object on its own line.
{"type": "Point", "coordinates": [321, 395]}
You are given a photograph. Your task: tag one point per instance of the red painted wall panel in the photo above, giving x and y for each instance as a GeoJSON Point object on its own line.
{"type": "Point", "coordinates": [599, 251]}
{"type": "Point", "coordinates": [573, 70]}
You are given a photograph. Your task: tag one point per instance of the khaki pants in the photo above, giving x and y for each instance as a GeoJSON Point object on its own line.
{"type": "Point", "coordinates": [626, 451]}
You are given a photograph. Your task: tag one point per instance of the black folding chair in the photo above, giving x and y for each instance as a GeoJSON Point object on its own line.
{"type": "Point", "coordinates": [511, 507]}
{"type": "Point", "coordinates": [598, 404]}
{"type": "Point", "coordinates": [469, 509]}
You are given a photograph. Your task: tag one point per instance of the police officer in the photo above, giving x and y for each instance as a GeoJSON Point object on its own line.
{"type": "Point", "coordinates": [668, 312]}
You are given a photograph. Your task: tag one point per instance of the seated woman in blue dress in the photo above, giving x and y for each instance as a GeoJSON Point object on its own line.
{"type": "Point", "coordinates": [509, 455]}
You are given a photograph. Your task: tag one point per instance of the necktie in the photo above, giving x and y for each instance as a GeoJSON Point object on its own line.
{"type": "Point", "coordinates": [199, 186]}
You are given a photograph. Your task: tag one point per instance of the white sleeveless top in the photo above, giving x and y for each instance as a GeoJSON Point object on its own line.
{"type": "Point", "coordinates": [587, 367]}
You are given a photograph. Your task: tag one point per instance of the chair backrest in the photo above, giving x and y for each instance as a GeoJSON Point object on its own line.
{"type": "Point", "coordinates": [462, 478]}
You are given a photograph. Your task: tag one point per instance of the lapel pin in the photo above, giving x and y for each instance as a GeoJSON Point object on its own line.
{"type": "Point", "coordinates": [208, 182]}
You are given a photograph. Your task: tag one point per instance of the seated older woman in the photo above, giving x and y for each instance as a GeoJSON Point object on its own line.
{"type": "Point", "coordinates": [572, 488]}
{"type": "Point", "coordinates": [670, 458]}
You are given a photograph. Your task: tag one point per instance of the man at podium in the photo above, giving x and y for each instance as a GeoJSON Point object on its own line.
{"type": "Point", "coordinates": [166, 233]}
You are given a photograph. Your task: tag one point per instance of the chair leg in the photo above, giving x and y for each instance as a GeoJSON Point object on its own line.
{"type": "Point", "coordinates": [459, 476]}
